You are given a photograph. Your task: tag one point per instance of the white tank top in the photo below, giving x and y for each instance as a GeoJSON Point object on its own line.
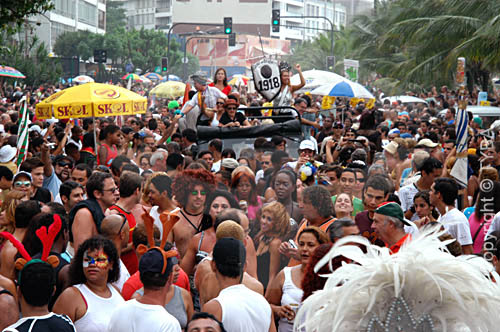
{"type": "Point", "coordinates": [244, 310]}
{"type": "Point", "coordinates": [292, 296]}
{"type": "Point", "coordinates": [156, 216]}
{"type": "Point", "coordinates": [99, 309]}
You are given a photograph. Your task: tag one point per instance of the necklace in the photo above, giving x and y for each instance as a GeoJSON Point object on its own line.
{"type": "Point", "coordinates": [191, 214]}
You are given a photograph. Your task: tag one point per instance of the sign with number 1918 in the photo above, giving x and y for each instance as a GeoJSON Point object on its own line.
{"type": "Point", "coordinates": [266, 76]}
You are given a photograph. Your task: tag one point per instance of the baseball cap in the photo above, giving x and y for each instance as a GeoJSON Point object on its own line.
{"type": "Point", "coordinates": [427, 143]}
{"type": "Point", "coordinates": [394, 131]}
{"type": "Point", "coordinates": [153, 261]}
{"type": "Point", "coordinates": [230, 163]}
{"type": "Point", "coordinates": [406, 135]}
{"type": "Point", "coordinates": [200, 78]}
{"type": "Point", "coordinates": [392, 209]}
{"type": "Point", "coordinates": [7, 153]}
{"type": "Point", "coordinates": [392, 147]}
{"type": "Point", "coordinates": [22, 173]}
{"type": "Point", "coordinates": [307, 145]}
{"type": "Point", "coordinates": [35, 128]}
{"type": "Point", "coordinates": [229, 251]}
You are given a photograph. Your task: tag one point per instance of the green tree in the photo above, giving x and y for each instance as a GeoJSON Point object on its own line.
{"type": "Point", "coordinates": [38, 67]}
{"type": "Point", "coordinates": [14, 12]}
{"type": "Point", "coordinates": [417, 42]}
{"type": "Point", "coordinates": [116, 18]}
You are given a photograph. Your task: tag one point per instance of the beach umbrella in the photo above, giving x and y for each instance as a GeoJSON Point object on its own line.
{"type": "Point", "coordinates": [343, 88]}
{"type": "Point", "coordinates": [145, 80]}
{"type": "Point", "coordinates": [83, 79]}
{"type": "Point", "coordinates": [10, 72]}
{"type": "Point", "coordinates": [133, 77]}
{"type": "Point", "coordinates": [315, 78]}
{"type": "Point", "coordinates": [91, 100]}
{"type": "Point", "coordinates": [171, 78]}
{"type": "Point", "coordinates": [170, 89]}
{"type": "Point", "coordinates": [405, 99]}
{"type": "Point", "coordinates": [239, 80]}
{"type": "Point", "coordinates": [153, 76]}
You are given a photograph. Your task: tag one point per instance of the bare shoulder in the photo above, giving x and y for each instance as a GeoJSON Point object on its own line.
{"type": "Point", "coordinates": [275, 244]}
{"type": "Point", "coordinates": [213, 307]}
{"type": "Point", "coordinates": [83, 214]}
{"type": "Point", "coordinates": [253, 284]}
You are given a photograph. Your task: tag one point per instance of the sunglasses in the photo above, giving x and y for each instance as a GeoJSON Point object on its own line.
{"type": "Point", "coordinates": [64, 164]}
{"type": "Point", "coordinates": [265, 162]}
{"type": "Point", "coordinates": [231, 108]}
{"type": "Point", "coordinates": [111, 189]}
{"type": "Point", "coordinates": [123, 223]}
{"type": "Point", "coordinates": [19, 184]}
{"type": "Point", "coordinates": [202, 193]}
{"type": "Point", "coordinates": [220, 103]}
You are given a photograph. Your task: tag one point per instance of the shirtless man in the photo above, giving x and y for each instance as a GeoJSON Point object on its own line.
{"type": "Point", "coordinates": [193, 253]}
{"type": "Point", "coordinates": [24, 212]}
{"type": "Point", "coordinates": [205, 279]}
{"type": "Point", "coordinates": [190, 189]}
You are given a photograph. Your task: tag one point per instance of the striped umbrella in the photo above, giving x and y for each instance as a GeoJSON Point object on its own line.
{"type": "Point", "coordinates": [343, 88]}
{"type": "Point", "coordinates": [153, 76]}
{"type": "Point", "coordinates": [10, 72]}
{"type": "Point", "coordinates": [133, 77]}
{"type": "Point", "coordinates": [239, 80]}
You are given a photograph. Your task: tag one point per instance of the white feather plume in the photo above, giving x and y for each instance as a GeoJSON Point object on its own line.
{"type": "Point", "coordinates": [453, 291]}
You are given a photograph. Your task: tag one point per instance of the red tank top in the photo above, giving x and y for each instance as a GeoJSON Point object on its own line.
{"type": "Point", "coordinates": [112, 153]}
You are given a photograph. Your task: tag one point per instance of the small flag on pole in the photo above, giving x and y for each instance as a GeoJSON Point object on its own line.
{"type": "Point", "coordinates": [22, 134]}
{"type": "Point", "coordinates": [460, 168]}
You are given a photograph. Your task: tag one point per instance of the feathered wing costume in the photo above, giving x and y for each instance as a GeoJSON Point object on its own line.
{"type": "Point", "coordinates": [422, 288]}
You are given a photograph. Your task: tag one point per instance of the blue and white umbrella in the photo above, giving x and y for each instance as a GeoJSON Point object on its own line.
{"type": "Point", "coordinates": [171, 78]}
{"type": "Point", "coordinates": [343, 88]}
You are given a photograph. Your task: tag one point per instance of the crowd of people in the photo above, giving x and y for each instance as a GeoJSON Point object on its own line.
{"type": "Point", "coordinates": [147, 230]}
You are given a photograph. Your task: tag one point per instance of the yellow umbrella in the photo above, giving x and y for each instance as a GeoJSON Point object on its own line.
{"type": "Point", "coordinates": [91, 99]}
{"type": "Point", "coordinates": [170, 89]}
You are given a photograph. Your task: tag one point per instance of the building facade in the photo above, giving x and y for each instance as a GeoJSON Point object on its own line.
{"type": "Point", "coordinates": [69, 15]}
{"type": "Point", "coordinates": [148, 14]}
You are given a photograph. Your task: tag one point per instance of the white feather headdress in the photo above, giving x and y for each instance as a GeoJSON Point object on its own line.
{"type": "Point", "coordinates": [429, 288]}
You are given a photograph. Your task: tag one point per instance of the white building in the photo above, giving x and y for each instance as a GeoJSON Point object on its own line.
{"type": "Point", "coordinates": [69, 15]}
{"type": "Point", "coordinates": [150, 14]}
{"type": "Point", "coordinates": [308, 28]}
{"type": "Point", "coordinates": [249, 16]}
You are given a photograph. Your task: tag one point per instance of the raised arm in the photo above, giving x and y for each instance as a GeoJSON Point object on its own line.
{"type": "Point", "coordinates": [302, 80]}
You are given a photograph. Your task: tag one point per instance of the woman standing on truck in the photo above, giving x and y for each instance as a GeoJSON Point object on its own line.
{"type": "Point", "coordinates": [220, 81]}
{"type": "Point", "coordinates": [285, 97]}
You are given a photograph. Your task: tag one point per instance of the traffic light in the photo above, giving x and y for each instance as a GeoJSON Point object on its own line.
{"type": "Point", "coordinates": [104, 56]}
{"type": "Point", "coordinates": [330, 62]}
{"type": "Point", "coordinates": [276, 20]}
{"type": "Point", "coordinates": [232, 39]}
{"type": "Point", "coordinates": [164, 64]}
{"type": "Point", "coordinates": [100, 56]}
{"type": "Point", "coordinates": [228, 25]}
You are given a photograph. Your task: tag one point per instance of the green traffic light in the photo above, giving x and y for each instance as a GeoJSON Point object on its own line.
{"type": "Point", "coordinates": [275, 22]}
{"type": "Point", "coordinates": [228, 30]}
